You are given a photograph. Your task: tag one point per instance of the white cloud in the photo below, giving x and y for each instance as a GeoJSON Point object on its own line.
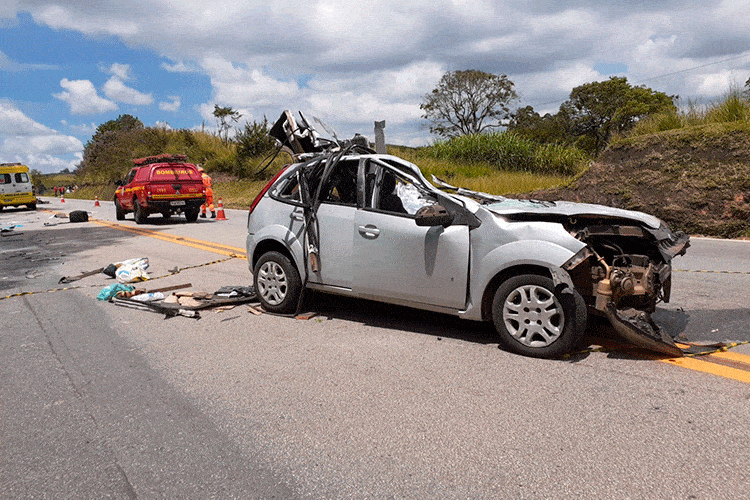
{"type": "Point", "coordinates": [121, 71]}
{"type": "Point", "coordinates": [348, 62]}
{"type": "Point", "coordinates": [179, 67]}
{"type": "Point", "coordinates": [172, 106]}
{"type": "Point", "coordinates": [14, 122]}
{"type": "Point", "coordinates": [83, 98]}
{"type": "Point", "coordinates": [241, 86]}
{"type": "Point", "coordinates": [38, 146]}
{"type": "Point", "coordinates": [81, 128]}
{"type": "Point", "coordinates": [8, 9]}
{"type": "Point", "coordinates": [7, 64]}
{"type": "Point", "coordinates": [116, 90]}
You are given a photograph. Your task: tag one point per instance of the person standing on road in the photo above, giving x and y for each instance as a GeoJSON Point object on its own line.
{"type": "Point", "coordinates": [209, 194]}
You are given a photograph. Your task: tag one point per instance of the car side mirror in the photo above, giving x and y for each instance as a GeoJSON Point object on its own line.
{"type": "Point", "coordinates": [118, 182]}
{"type": "Point", "coordinates": [433, 215]}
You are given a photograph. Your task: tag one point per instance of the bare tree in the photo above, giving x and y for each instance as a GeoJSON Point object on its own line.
{"type": "Point", "coordinates": [223, 116]}
{"type": "Point", "coordinates": [468, 102]}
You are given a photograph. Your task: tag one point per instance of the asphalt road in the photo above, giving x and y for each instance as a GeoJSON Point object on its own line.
{"type": "Point", "coordinates": [361, 401]}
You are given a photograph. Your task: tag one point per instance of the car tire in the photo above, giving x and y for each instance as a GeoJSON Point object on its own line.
{"type": "Point", "coordinates": [119, 212]}
{"type": "Point", "coordinates": [78, 216]}
{"type": "Point", "coordinates": [192, 214]}
{"type": "Point", "coordinates": [277, 283]}
{"type": "Point", "coordinates": [31, 206]}
{"type": "Point", "coordinates": [138, 214]}
{"type": "Point", "coordinates": [533, 318]}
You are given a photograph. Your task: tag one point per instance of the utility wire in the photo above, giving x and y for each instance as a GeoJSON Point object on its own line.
{"type": "Point", "coordinates": [642, 80]}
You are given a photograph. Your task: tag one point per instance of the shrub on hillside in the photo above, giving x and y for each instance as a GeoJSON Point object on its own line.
{"type": "Point", "coordinates": [511, 152]}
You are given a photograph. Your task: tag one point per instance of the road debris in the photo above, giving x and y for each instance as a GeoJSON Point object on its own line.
{"type": "Point", "coordinates": [84, 274]}
{"type": "Point", "coordinates": [169, 312]}
{"type": "Point", "coordinates": [132, 270]}
{"type": "Point", "coordinates": [110, 291]}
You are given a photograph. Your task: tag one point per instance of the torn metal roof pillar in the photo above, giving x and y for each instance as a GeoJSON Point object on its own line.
{"type": "Point", "coordinates": [380, 138]}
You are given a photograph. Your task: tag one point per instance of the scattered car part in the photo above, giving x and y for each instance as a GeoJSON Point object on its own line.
{"type": "Point", "coordinates": [84, 274]}
{"type": "Point", "coordinates": [78, 216]}
{"type": "Point", "coordinates": [169, 312]}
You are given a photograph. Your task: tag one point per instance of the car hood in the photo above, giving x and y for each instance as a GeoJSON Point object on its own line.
{"type": "Point", "coordinates": [511, 206]}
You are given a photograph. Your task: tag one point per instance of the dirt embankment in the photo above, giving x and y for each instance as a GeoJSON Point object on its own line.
{"type": "Point", "coordinates": [696, 180]}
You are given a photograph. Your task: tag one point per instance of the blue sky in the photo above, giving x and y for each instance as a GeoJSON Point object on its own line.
{"type": "Point", "coordinates": [68, 66]}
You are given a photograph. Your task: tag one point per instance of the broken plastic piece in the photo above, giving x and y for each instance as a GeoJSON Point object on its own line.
{"type": "Point", "coordinates": [638, 328]}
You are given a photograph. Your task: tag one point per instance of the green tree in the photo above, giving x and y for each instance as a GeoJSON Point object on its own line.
{"type": "Point", "coordinates": [547, 129]}
{"type": "Point", "coordinates": [253, 140]}
{"type": "Point", "coordinates": [107, 153]}
{"type": "Point", "coordinates": [599, 109]}
{"type": "Point", "coordinates": [224, 117]}
{"type": "Point", "coordinates": [468, 102]}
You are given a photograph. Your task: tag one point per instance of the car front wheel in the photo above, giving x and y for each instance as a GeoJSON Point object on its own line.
{"type": "Point", "coordinates": [277, 283]}
{"type": "Point", "coordinates": [534, 319]}
{"type": "Point", "coordinates": [119, 212]}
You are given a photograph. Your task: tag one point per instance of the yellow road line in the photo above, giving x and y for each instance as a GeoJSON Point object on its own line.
{"type": "Point", "coordinates": [706, 365]}
{"type": "Point", "coordinates": [734, 356]}
{"type": "Point", "coordinates": [180, 240]}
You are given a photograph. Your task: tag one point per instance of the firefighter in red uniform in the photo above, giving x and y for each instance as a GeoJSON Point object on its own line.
{"type": "Point", "coordinates": [209, 194]}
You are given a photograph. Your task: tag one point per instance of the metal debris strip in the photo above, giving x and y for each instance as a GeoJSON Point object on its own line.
{"type": "Point", "coordinates": [84, 274]}
{"type": "Point", "coordinates": [168, 312]}
{"type": "Point", "coordinates": [690, 350]}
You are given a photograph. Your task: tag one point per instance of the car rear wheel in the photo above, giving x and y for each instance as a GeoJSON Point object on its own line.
{"type": "Point", "coordinates": [138, 213]}
{"type": "Point", "coordinates": [192, 214]}
{"type": "Point", "coordinates": [277, 283]}
{"type": "Point", "coordinates": [534, 319]}
{"type": "Point", "coordinates": [119, 212]}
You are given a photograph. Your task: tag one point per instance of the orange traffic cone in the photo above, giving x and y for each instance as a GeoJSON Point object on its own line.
{"type": "Point", "coordinates": [96, 201]}
{"type": "Point", "coordinates": [220, 212]}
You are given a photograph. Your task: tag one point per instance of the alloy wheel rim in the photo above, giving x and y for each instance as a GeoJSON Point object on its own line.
{"type": "Point", "coordinates": [272, 283]}
{"type": "Point", "coordinates": [533, 316]}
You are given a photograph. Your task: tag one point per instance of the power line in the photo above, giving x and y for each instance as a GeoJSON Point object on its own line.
{"type": "Point", "coordinates": [665, 74]}
{"type": "Point", "coordinates": [694, 68]}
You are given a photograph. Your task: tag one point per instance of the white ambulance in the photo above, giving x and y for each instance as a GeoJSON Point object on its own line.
{"type": "Point", "coordinates": [15, 186]}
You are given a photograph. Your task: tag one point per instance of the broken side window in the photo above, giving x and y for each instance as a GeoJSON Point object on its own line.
{"type": "Point", "coordinates": [341, 186]}
{"type": "Point", "coordinates": [392, 191]}
{"type": "Point", "coordinates": [290, 189]}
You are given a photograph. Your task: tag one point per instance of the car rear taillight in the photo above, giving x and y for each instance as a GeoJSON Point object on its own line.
{"type": "Point", "coordinates": [265, 189]}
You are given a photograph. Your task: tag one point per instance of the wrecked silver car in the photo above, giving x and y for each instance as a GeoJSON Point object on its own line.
{"type": "Point", "coordinates": [348, 221]}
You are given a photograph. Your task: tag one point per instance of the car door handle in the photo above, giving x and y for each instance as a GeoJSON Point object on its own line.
{"type": "Point", "coordinates": [369, 231]}
{"type": "Point", "coordinates": [297, 216]}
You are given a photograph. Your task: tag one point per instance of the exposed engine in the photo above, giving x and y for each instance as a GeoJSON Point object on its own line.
{"type": "Point", "coordinates": [623, 274]}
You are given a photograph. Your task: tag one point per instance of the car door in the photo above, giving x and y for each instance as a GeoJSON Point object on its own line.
{"type": "Point", "coordinates": [335, 226]}
{"type": "Point", "coordinates": [395, 259]}
{"type": "Point", "coordinates": [126, 190]}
